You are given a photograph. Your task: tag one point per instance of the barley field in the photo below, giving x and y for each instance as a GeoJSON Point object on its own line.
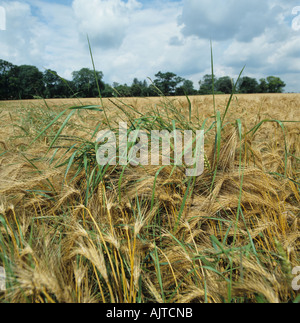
{"type": "Point", "coordinates": [72, 231]}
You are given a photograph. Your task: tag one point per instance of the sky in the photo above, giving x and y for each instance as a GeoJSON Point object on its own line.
{"type": "Point", "coordinates": [138, 38]}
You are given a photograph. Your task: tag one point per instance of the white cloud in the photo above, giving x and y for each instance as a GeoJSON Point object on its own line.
{"type": "Point", "coordinates": [105, 21]}
{"type": "Point", "coordinates": [138, 38]}
{"type": "Point", "coordinates": [19, 31]}
{"type": "Point", "coordinates": [145, 48]}
{"type": "Point", "coordinates": [37, 33]}
{"type": "Point", "coordinates": [222, 20]}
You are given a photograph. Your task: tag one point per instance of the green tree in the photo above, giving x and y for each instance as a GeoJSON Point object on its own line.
{"type": "Point", "coordinates": [206, 84]}
{"type": "Point", "coordinates": [263, 86]}
{"type": "Point", "coordinates": [167, 82]}
{"type": "Point", "coordinates": [140, 88]}
{"type": "Point", "coordinates": [146, 91]}
{"type": "Point", "coordinates": [108, 91]}
{"type": "Point", "coordinates": [248, 85]}
{"type": "Point", "coordinates": [187, 88]}
{"type": "Point", "coordinates": [85, 82]}
{"type": "Point", "coordinates": [224, 84]}
{"type": "Point", "coordinates": [5, 67]}
{"type": "Point", "coordinates": [5, 71]}
{"type": "Point", "coordinates": [55, 86]}
{"type": "Point", "coordinates": [27, 81]}
{"type": "Point", "coordinates": [275, 84]}
{"type": "Point", "coordinates": [13, 86]}
{"type": "Point", "coordinates": [122, 90]}
{"type": "Point", "coordinates": [136, 88]}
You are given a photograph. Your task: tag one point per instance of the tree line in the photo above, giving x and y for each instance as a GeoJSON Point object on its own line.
{"type": "Point", "coordinates": [27, 82]}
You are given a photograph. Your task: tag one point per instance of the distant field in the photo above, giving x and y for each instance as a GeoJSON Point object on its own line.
{"type": "Point", "coordinates": [203, 98]}
{"type": "Point", "coordinates": [72, 231]}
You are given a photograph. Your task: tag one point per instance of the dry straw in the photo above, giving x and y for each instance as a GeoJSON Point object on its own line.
{"type": "Point", "coordinates": [71, 231]}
